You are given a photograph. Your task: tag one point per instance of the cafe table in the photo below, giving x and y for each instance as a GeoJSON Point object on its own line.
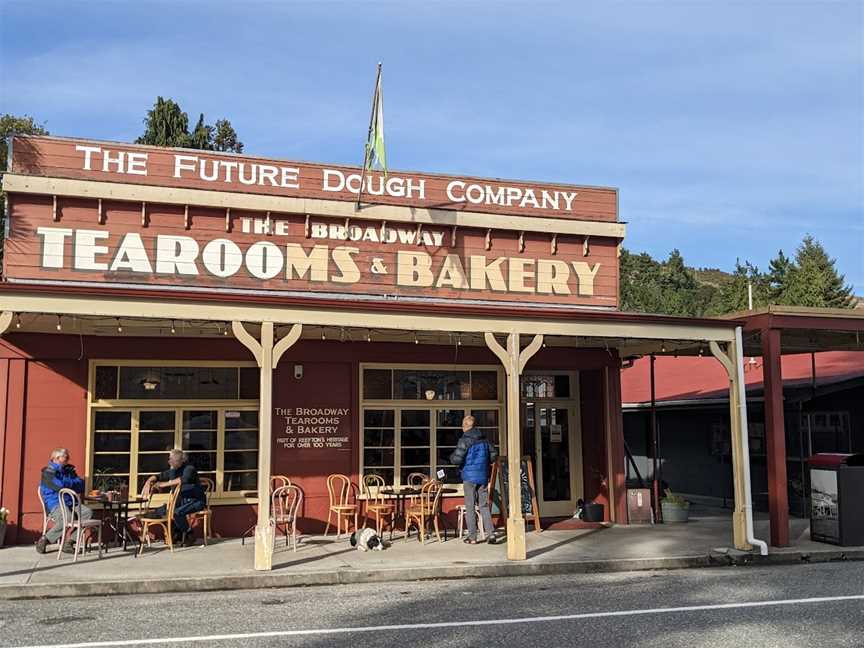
{"type": "Point", "coordinates": [117, 516]}
{"type": "Point", "coordinates": [401, 493]}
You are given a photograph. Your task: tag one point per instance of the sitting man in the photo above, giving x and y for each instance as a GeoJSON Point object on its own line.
{"type": "Point", "coordinates": [190, 500]}
{"type": "Point", "coordinates": [59, 473]}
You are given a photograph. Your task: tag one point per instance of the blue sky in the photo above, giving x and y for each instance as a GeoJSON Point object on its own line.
{"type": "Point", "coordinates": [731, 129]}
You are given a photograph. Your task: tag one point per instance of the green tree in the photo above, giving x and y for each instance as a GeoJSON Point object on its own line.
{"type": "Point", "coordinates": [813, 279]}
{"type": "Point", "coordinates": [202, 136]}
{"type": "Point", "coordinates": [13, 125]}
{"type": "Point", "coordinates": [166, 125]}
{"type": "Point", "coordinates": [777, 278]}
{"type": "Point", "coordinates": [734, 293]}
{"type": "Point", "coordinates": [225, 137]}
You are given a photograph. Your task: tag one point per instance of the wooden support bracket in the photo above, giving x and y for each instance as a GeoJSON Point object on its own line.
{"type": "Point", "coordinates": [186, 222]}
{"type": "Point", "coordinates": [554, 243]}
{"type": "Point", "coordinates": [585, 249]}
{"type": "Point", "coordinates": [227, 219]}
{"type": "Point", "coordinates": [55, 213]}
{"type": "Point", "coordinates": [522, 241]}
{"type": "Point", "coordinates": [100, 214]}
{"type": "Point", "coordinates": [453, 236]}
{"type": "Point", "coordinates": [488, 239]}
{"type": "Point", "coordinates": [143, 214]}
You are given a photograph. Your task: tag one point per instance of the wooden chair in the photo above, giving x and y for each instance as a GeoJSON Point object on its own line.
{"type": "Point", "coordinates": [425, 511]}
{"type": "Point", "coordinates": [383, 509]}
{"type": "Point", "coordinates": [415, 480]}
{"type": "Point", "coordinates": [145, 506]}
{"type": "Point", "coordinates": [206, 514]}
{"type": "Point", "coordinates": [276, 481]}
{"type": "Point", "coordinates": [72, 523]}
{"type": "Point", "coordinates": [339, 490]}
{"type": "Point", "coordinates": [45, 518]}
{"type": "Point", "coordinates": [164, 522]}
{"type": "Point", "coordinates": [284, 507]}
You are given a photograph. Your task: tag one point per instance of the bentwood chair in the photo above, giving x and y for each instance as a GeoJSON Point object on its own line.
{"type": "Point", "coordinates": [72, 523]}
{"type": "Point", "coordinates": [45, 517]}
{"type": "Point", "coordinates": [415, 480]}
{"type": "Point", "coordinates": [163, 522]}
{"type": "Point", "coordinates": [383, 509]}
{"type": "Point", "coordinates": [206, 514]}
{"type": "Point", "coordinates": [425, 511]}
{"type": "Point", "coordinates": [284, 508]}
{"type": "Point", "coordinates": [276, 481]}
{"type": "Point", "coordinates": [339, 491]}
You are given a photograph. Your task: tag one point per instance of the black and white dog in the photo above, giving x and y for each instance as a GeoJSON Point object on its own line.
{"type": "Point", "coordinates": [366, 540]}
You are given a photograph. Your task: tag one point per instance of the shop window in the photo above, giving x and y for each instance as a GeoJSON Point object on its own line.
{"type": "Point", "coordinates": [112, 382]}
{"type": "Point", "coordinates": [241, 450]}
{"type": "Point", "coordinates": [550, 386]}
{"type": "Point", "coordinates": [401, 441]}
{"type": "Point", "coordinates": [429, 384]}
{"type": "Point", "coordinates": [130, 445]}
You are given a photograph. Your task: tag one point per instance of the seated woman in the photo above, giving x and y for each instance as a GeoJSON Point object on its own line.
{"type": "Point", "coordinates": [191, 498]}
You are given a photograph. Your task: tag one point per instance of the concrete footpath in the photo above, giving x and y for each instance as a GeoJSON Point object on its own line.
{"type": "Point", "coordinates": [226, 564]}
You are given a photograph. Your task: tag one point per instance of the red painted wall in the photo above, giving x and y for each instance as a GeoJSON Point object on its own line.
{"type": "Point", "coordinates": [43, 383]}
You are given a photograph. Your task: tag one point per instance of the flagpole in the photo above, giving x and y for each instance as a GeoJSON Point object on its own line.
{"type": "Point", "coordinates": [369, 134]}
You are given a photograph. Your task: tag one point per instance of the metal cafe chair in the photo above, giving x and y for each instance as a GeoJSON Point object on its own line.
{"type": "Point", "coordinates": [284, 508]}
{"type": "Point", "coordinates": [206, 514]}
{"type": "Point", "coordinates": [164, 522]}
{"type": "Point", "coordinates": [425, 511]}
{"type": "Point", "coordinates": [72, 523]}
{"type": "Point", "coordinates": [276, 481]}
{"type": "Point", "coordinates": [339, 491]}
{"type": "Point", "coordinates": [383, 509]}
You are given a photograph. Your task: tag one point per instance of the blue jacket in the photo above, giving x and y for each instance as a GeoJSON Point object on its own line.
{"type": "Point", "coordinates": [55, 477]}
{"type": "Point", "coordinates": [474, 454]}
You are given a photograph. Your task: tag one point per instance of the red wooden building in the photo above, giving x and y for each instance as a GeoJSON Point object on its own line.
{"type": "Point", "coordinates": [254, 313]}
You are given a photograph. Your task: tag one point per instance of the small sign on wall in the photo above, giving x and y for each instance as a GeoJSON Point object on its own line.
{"type": "Point", "coordinates": [312, 428]}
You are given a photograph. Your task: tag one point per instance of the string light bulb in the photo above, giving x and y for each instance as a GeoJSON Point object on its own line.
{"type": "Point", "coordinates": [59, 323]}
{"type": "Point", "coordinates": [369, 335]}
{"type": "Point", "coordinates": [225, 330]}
{"type": "Point", "coordinates": [119, 326]}
{"type": "Point", "coordinates": [662, 347]}
{"type": "Point", "coordinates": [701, 350]}
{"type": "Point", "coordinates": [173, 329]}
{"type": "Point", "coordinates": [416, 341]}
{"type": "Point", "coordinates": [323, 333]}
{"type": "Point", "coordinates": [17, 321]}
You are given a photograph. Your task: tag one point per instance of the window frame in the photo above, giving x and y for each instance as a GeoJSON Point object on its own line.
{"type": "Point", "coordinates": [135, 406]}
{"type": "Point", "coordinates": [432, 406]}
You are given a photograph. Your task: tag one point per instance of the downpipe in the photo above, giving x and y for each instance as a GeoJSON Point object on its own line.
{"type": "Point", "coordinates": [745, 446]}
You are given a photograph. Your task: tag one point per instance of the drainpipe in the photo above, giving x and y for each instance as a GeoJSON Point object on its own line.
{"type": "Point", "coordinates": [745, 446]}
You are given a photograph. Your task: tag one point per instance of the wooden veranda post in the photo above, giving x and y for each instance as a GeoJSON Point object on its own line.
{"type": "Point", "coordinates": [514, 362]}
{"type": "Point", "coordinates": [267, 356]}
{"type": "Point", "coordinates": [775, 438]}
{"type": "Point", "coordinates": [737, 427]}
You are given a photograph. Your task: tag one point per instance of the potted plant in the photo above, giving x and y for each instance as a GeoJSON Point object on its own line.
{"type": "Point", "coordinates": [4, 515]}
{"type": "Point", "coordinates": [675, 508]}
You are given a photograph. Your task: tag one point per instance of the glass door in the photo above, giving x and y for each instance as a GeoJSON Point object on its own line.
{"type": "Point", "coordinates": [551, 436]}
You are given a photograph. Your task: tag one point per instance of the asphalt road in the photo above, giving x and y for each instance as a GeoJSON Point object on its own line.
{"type": "Point", "coordinates": [785, 607]}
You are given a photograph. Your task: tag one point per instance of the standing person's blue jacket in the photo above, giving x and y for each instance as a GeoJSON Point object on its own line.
{"type": "Point", "coordinates": [55, 477]}
{"type": "Point", "coordinates": [474, 454]}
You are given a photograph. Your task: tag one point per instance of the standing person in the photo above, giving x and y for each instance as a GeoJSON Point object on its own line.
{"type": "Point", "coordinates": [59, 473]}
{"type": "Point", "coordinates": [191, 498]}
{"type": "Point", "coordinates": [474, 455]}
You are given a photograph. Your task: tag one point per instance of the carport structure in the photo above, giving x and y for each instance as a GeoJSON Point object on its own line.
{"type": "Point", "coordinates": [770, 332]}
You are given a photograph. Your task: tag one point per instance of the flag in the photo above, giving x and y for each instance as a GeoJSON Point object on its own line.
{"type": "Point", "coordinates": [375, 153]}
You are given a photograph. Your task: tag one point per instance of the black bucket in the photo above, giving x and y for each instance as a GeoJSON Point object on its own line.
{"type": "Point", "coordinates": [593, 512]}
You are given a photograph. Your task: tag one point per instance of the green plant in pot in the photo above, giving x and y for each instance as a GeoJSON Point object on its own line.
{"type": "Point", "coordinates": [674, 508]}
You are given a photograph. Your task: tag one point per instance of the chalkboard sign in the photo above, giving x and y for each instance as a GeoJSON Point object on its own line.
{"type": "Point", "coordinates": [499, 489]}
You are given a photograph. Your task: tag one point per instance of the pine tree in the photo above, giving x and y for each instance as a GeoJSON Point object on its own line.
{"type": "Point", "coordinates": [777, 278]}
{"type": "Point", "coordinates": [225, 137]}
{"type": "Point", "coordinates": [814, 281]}
{"type": "Point", "coordinates": [166, 125]}
{"type": "Point", "coordinates": [202, 136]}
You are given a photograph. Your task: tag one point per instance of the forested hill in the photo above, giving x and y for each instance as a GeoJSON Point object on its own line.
{"type": "Point", "coordinates": [810, 278]}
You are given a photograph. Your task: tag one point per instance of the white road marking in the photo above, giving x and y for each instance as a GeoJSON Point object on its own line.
{"type": "Point", "coordinates": [449, 624]}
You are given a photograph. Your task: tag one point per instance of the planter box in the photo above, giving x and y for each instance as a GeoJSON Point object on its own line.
{"type": "Point", "coordinates": [675, 513]}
